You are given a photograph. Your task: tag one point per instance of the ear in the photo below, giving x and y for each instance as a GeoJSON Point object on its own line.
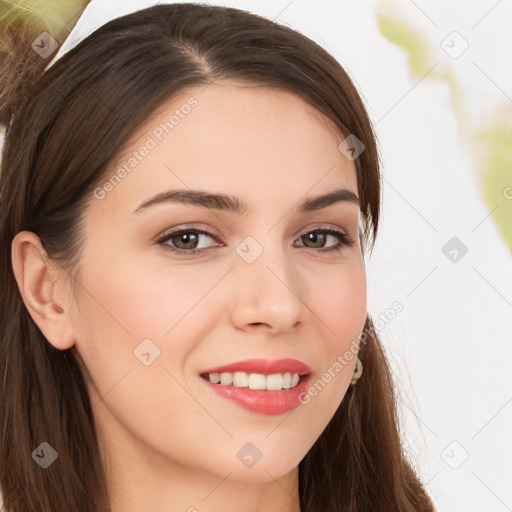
{"type": "Point", "coordinates": [42, 289]}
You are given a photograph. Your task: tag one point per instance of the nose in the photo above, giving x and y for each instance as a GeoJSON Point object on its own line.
{"type": "Point", "coordinates": [268, 293]}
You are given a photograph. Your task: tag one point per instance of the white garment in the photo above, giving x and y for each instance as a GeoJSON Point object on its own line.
{"type": "Point", "coordinates": [100, 12]}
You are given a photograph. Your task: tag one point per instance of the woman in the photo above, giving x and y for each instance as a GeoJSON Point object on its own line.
{"type": "Point", "coordinates": [187, 198]}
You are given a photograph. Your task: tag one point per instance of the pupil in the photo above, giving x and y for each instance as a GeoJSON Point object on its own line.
{"type": "Point", "coordinates": [187, 238]}
{"type": "Point", "coordinates": [315, 238]}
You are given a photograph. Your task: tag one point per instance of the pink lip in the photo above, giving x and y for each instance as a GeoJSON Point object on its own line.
{"type": "Point", "coordinates": [263, 366]}
{"type": "Point", "coordinates": [260, 400]}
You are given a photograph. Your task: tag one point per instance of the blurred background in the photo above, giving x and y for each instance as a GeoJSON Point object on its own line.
{"type": "Point", "coordinates": [437, 81]}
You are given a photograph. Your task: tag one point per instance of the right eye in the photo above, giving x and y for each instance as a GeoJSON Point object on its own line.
{"type": "Point", "coordinates": [184, 241]}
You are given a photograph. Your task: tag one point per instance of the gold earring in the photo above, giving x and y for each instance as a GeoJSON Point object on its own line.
{"type": "Point", "coordinates": [357, 372]}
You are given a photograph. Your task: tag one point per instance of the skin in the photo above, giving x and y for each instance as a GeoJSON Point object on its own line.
{"type": "Point", "coordinates": [171, 444]}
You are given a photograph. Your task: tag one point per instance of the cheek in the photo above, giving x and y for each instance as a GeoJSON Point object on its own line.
{"type": "Point", "coordinates": [125, 305]}
{"type": "Point", "coordinates": [128, 303]}
{"type": "Point", "coordinates": [341, 305]}
{"type": "Point", "coordinates": [340, 309]}
{"type": "Point", "coordinates": [132, 297]}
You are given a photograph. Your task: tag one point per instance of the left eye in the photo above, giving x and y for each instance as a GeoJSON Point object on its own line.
{"type": "Point", "coordinates": [320, 235]}
{"type": "Point", "coordinates": [185, 241]}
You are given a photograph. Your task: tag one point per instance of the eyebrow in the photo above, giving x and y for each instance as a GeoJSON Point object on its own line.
{"type": "Point", "coordinates": [235, 205]}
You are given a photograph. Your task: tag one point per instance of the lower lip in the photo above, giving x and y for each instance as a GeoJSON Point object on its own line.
{"type": "Point", "coordinates": [260, 400]}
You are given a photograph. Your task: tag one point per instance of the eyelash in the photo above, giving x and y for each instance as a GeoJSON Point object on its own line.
{"type": "Point", "coordinates": [344, 240]}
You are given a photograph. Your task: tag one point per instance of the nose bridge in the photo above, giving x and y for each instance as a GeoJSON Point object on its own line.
{"type": "Point", "coordinates": [267, 286]}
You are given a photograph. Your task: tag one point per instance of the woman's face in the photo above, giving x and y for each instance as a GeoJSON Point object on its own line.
{"type": "Point", "coordinates": [263, 283]}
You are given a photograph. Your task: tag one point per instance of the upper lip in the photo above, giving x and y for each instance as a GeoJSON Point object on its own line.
{"type": "Point", "coordinates": [263, 366]}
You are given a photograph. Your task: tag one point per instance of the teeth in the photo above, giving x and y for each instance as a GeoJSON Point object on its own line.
{"type": "Point", "coordinates": [274, 382]}
{"type": "Point", "coordinates": [240, 380]}
{"type": "Point", "coordinates": [226, 379]}
{"type": "Point", "coordinates": [257, 381]}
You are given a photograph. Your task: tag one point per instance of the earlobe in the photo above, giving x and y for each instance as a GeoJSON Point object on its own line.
{"type": "Point", "coordinates": [41, 289]}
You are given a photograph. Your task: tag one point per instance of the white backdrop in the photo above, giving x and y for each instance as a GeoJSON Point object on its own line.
{"type": "Point", "coordinates": [435, 88]}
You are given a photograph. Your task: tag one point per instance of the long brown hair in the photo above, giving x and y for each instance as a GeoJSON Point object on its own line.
{"type": "Point", "coordinates": [65, 130]}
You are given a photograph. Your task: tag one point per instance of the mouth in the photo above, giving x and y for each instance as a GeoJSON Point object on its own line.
{"type": "Point", "coordinates": [262, 386]}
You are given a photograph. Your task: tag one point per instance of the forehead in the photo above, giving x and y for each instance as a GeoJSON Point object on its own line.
{"type": "Point", "coordinates": [241, 139]}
